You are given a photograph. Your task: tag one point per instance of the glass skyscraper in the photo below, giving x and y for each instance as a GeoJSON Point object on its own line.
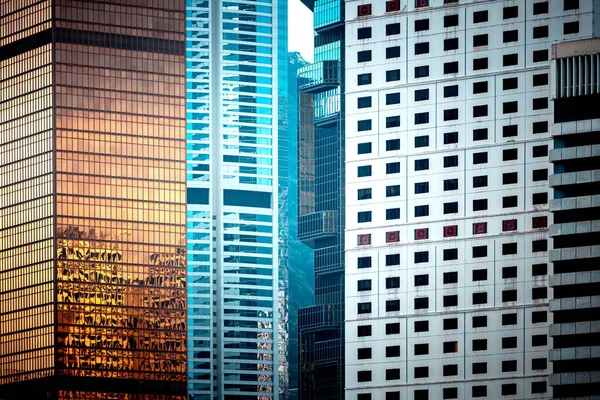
{"type": "Point", "coordinates": [92, 200]}
{"type": "Point", "coordinates": [236, 83]}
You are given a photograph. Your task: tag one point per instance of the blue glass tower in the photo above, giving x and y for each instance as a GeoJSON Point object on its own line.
{"type": "Point", "coordinates": [236, 81]}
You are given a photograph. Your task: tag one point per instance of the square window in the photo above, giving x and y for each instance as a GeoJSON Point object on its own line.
{"type": "Point", "coordinates": [538, 317]}
{"type": "Point", "coordinates": [392, 237]}
{"type": "Point", "coordinates": [479, 228]}
{"type": "Point", "coordinates": [509, 319]}
{"type": "Point", "coordinates": [539, 363]}
{"type": "Point", "coordinates": [539, 269]}
{"type": "Point", "coordinates": [539, 293]}
{"type": "Point", "coordinates": [480, 111]}
{"type": "Point", "coordinates": [421, 303]}
{"type": "Point", "coordinates": [392, 329]}
{"type": "Point", "coordinates": [421, 48]}
{"type": "Point", "coordinates": [421, 141]}
{"type": "Point", "coordinates": [479, 251]}
{"type": "Point", "coordinates": [364, 148]}
{"type": "Point", "coordinates": [510, 83]}
{"type": "Point", "coordinates": [480, 321]}
{"type": "Point", "coordinates": [421, 372]}
{"type": "Point", "coordinates": [480, 87]}
{"type": "Point", "coordinates": [392, 168]}
{"type": "Point", "coordinates": [392, 5]}
{"type": "Point", "coordinates": [480, 40]}
{"type": "Point", "coordinates": [510, 154]}
{"type": "Point", "coordinates": [540, 198]}
{"type": "Point", "coordinates": [450, 277]}
{"type": "Point", "coordinates": [421, 394]}
{"type": "Point", "coordinates": [510, 130]}
{"type": "Point", "coordinates": [450, 20]}
{"type": "Point", "coordinates": [421, 349]}
{"type": "Point", "coordinates": [392, 259]}
{"type": "Point", "coordinates": [422, 71]}
{"type": "Point", "coordinates": [479, 368]}
{"type": "Point", "coordinates": [510, 12]}
{"type": "Point", "coordinates": [393, 75]}
{"type": "Point", "coordinates": [480, 134]}
{"type": "Point", "coordinates": [509, 60]}
{"type": "Point", "coordinates": [364, 285]}
{"type": "Point", "coordinates": [450, 324]}
{"type": "Point", "coordinates": [392, 213]}
{"type": "Point", "coordinates": [364, 216]}
{"type": "Point", "coordinates": [392, 144]}
{"type": "Point", "coordinates": [451, 300]}
{"type": "Point", "coordinates": [479, 391]}
{"type": "Point", "coordinates": [450, 44]}
{"type": "Point", "coordinates": [364, 56]}
{"type": "Point", "coordinates": [480, 275]}
{"type": "Point", "coordinates": [392, 305]}
{"type": "Point", "coordinates": [364, 239]}
{"type": "Point", "coordinates": [364, 125]}
{"type": "Point", "coordinates": [364, 194]}
{"type": "Point", "coordinates": [570, 28]}
{"type": "Point", "coordinates": [451, 67]}
{"type": "Point", "coordinates": [364, 33]}
{"type": "Point", "coordinates": [509, 295]}
{"type": "Point", "coordinates": [392, 191]}
{"type": "Point", "coordinates": [392, 29]}
{"type": "Point", "coordinates": [538, 387]}
{"type": "Point", "coordinates": [392, 98]}
{"type": "Point", "coordinates": [480, 181]}
{"type": "Point", "coordinates": [392, 52]}
{"type": "Point", "coordinates": [480, 298]}
{"type": "Point", "coordinates": [392, 122]}
{"type": "Point", "coordinates": [450, 393]}
{"type": "Point", "coordinates": [422, 165]}
{"type": "Point", "coordinates": [364, 170]}
{"type": "Point", "coordinates": [364, 308]}
{"type": "Point", "coordinates": [450, 347]}
{"type": "Point", "coordinates": [480, 204]}
{"type": "Point", "coordinates": [479, 344]}
{"type": "Point", "coordinates": [392, 283]}
{"type": "Point", "coordinates": [364, 262]}
{"type": "Point", "coordinates": [450, 184]}
{"type": "Point", "coordinates": [363, 376]}
{"type": "Point", "coordinates": [480, 63]}
{"type": "Point", "coordinates": [509, 178]}
{"type": "Point", "coordinates": [364, 330]}
{"type": "Point", "coordinates": [363, 396]}
{"type": "Point", "coordinates": [450, 254]}
{"type": "Point", "coordinates": [540, 8]}
{"type": "Point", "coordinates": [450, 370]}
{"type": "Point", "coordinates": [510, 36]}
{"type": "Point", "coordinates": [451, 115]}
{"type": "Point", "coordinates": [571, 5]}
{"type": "Point", "coordinates": [421, 118]}
{"type": "Point", "coordinates": [450, 161]}
{"type": "Point", "coordinates": [540, 151]}
{"type": "Point", "coordinates": [509, 366]}
{"type": "Point", "coordinates": [451, 138]}
{"type": "Point", "coordinates": [392, 351]}
{"type": "Point", "coordinates": [509, 272]}
{"type": "Point", "coordinates": [480, 16]}
{"type": "Point", "coordinates": [508, 202]}
{"type": "Point", "coordinates": [509, 249]}
{"type": "Point", "coordinates": [510, 107]}
{"type": "Point", "coordinates": [421, 94]}
{"type": "Point", "coordinates": [364, 79]}
{"type": "Point", "coordinates": [540, 103]}
{"type": "Point", "coordinates": [364, 102]}
{"type": "Point", "coordinates": [450, 91]}
{"type": "Point", "coordinates": [539, 340]}
{"type": "Point", "coordinates": [540, 32]}
{"type": "Point", "coordinates": [451, 208]}
{"type": "Point", "coordinates": [364, 10]}
{"type": "Point", "coordinates": [421, 257]}
{"type": "Point", "coordinates": [422, 234]}
{"type": "Point", "coordinates": [392, 374]}
{"type": "Point", "coordinates": [421, 25]}
{"type": "Point", "coordinates": [540, 175]}
{"type": "Point", "coordinates": [540, 55]}
{"type": "Point", "coordinates": [421, 211]}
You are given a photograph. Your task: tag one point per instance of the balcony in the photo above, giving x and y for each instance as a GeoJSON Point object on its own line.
{"type": "Point", "coordinates": [317, 225]}
{"type": "Point", "coordinates": [320, 317]}
{"type": "Point", "coordinates": [319, 77]}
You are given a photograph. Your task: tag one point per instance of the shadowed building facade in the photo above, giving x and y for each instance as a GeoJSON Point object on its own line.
{"type": "Point", "coordinates": [92, 200]}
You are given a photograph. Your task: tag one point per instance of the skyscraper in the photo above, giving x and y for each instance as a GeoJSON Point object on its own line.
{"type": "Point", "coordinates": [236, 81]}
{"type": "Point", "coordinates": [575, 304]}
{"type": "Point", "coordinates": [321, 204]}
{"type": "Point", "coordinates": [92, 200]}
{"type": "Point", "coordinates": [447, 141]}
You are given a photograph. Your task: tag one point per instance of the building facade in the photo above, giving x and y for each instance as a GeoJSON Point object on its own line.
{"type": "Point", "coordinates": [92, 200]}
{"type": "Point", "coordinates": [236, 83]}
{"type": "Point", "coordinates": [575, 304]}
{"type": "Point", "coordinates": [321, 204]}
{"type": "Point", "coordinates": [447, 141]}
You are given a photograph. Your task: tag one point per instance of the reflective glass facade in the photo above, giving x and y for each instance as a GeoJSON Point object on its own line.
{"type": "Point", "coordinates": [235, 94]}
{"type": "Point", "coordinates": [321, 205]}
{"type": "Point", "coordinates": [92, 200]}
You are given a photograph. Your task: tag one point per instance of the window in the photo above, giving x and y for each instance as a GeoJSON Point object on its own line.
{"type": "Point", "coordinates": [510, 36]}
{"type": "Point", "coordinates": [364, 148]}
{"type": "Point", "coordinates": [480, 87]}
{"type": "Point", "coordinates": [450, 254]}
{"type": "Point", "coordinates": [451, 301]}
{"type": "Point", "coordinates": [451, 91]}
{"type": "Point", "coordinates": [392, 5]}
{"type": "Point", "coordinates": [364, 56]}
{"type": "Point", "coordinates": [509, 60]}
{"type": "Point", "coordinates": [364, 376]}
{"type": "Point", "coordinates": [510, 178]}
{"type": "Point", "coordinates": [364, 170]}
{"type": "Point", "coordinates": [421, 187]}
{"type": "Point", "coordinates": [392, 259]}
{"type": "Point", "coordinates": [479, 391]}
{"type": "Point", "coordinates": [540, 151]}
{"type": "Point", "coordinates": [363, 396]}
{"type": "Point", "coordinates": [450, 277]}
{"type": "Point", "coordinates": [482, 133]}
{"type": "Point", "coordinates": [364, 79]}
{"type": "Point", "coordinates": [392, 122]}
{"type": "Point", "coordinates": [450, 161]}
{"type": "Point", "coordinates": [540, 8]}
{"type": "Point", "coordinates": [510, 154]}
{"type": "Point", "coordinates": [450, 370]}
{"type": "Point", "coordinates": [364, 308]}
{"type": "Point", "coordinates": [539, 363]}
{"type": "Point", "coordinates": [540, 32]}
{"type": "Point", "coordinates": [421, 25]}
{"type": "Point", "coordinates": [539, 245]}
{"type": "Point", "coordinates": [392, 374]}
{"type": "Point", "coordinates": [451, 115]}
{"type": "Point", "coordinates": [421, 303]}
{"type": "Point", "coordinates": [364, 194]}
{"type": "Point", "coordinates": [540, 174]}
{"type": "Point", "coordinates": [541, 103]}
{"type": "Point", "coordinates": [392, 168]}
{"type": "Point", "coordinates": [509, 248]}
{"type": "Point", "coordinates": [421, 211]}
{"type": "Point", "coordinates": [364, 330]}
{"type": "Point", "coordinates": [571, 5]}
{"type": "Point", "coordinates": [423, 141]}
{"type": "Point", "coordinates": [421, 118]}
{"type": "Point", "coordinates": [392, 283]}
{"type": "Point", "coordinates": [421, 372]}
{"type": "Point", "coordinates": [392, 52]}
{"type": "Point", "coordinates": [364, 353]}
{"type": "Point", "coordinates": [479, 251]}
{"type": "Point", "coordinates": [422, 71]}
{"type": "Point", "coordinates": [421, 280]}
{"type": "Point", "coordinates": [364, 125]}
{"type": "Point", "coordinates": [392, 191]}
{"type": "Point", "coordinates": [392, 144]}
{"type": "Point", "coordinates": [539, 293]}
{"type": "Point", "coordinates": [540, 198]}
{"type": "Point", "coordinates": [451, 67]}
{"type": "Point", "coordinates": [480, 321]}
{"type": "Point", "coordinates": [539, 269]}
{"type": "Point", "coordinates": [480, 298]}
{"type": "Point", "coordinates": [509, 319]}
{"type": "Point", "coordinates": [364, 262]}
{"type": "Point", "coordinates": [480, 40]}
{"type": "Point", "coordinates": [510, 107]}
{"type": "Point", "coordinates": [364, 285]}
{"type": "Point", "coordinates": [510, 83]}
{"type": "Point", "coordinates": [480, 63]}
{"type": "Point", "coordinates": [540, 55]}
{"type": "Point", "coordinates": [570, 28]}
{"type": "Point", "coordinates": [451, 208]}
{"type": "Point", "coordinates": [450, 184]}
{"type": "Point", "coordinates": [450, 392]}
{"type": "Point", "coordinates": [421, 48]}
{"type": "Point", "coordinates": [392, 98]}
{"type": "Point", "coordinates": [392, 236]}
{"type": "Point", "coordinates": [450, 324]}
{"type": "Point", "coordinates": [450, 347]}
{"type": "Point", "coordinates": [364, 102]}
{"type": "Point", "coordinates": [479, 228]}
{"type": "Point", "coordinates": [480, 181]}
{"type": "Point", "coordinates": [392, 213]}
{"type": "Point", "coordinates": [509, 295]}
{"type": "Point", "coordinates": [421, 165]}
{"type": "Point", "coordinates": [480, 16]}
{"type": "Point", "coordinates": [421, 394]}
{"type": "Point", "coordinates": [392, 329]}
{"type": "Point", "coordinates": [392, 29]}
{"type": "Point", "coordinates": [480, 158]}
{"type": "Point", "coordinates": [392, 351]}
{"type": "Point", "coordinates": [364, 33]}
{"type": "Point", "coordinates": [510, 12]}
{"type": "Point", "coordinates": [421, 94]}
{"type": "Point", "coordinates": [479, 368]}
{"type": "Point", "coordinates": [480, 111]}
{"type": "Point", "coordinates": [364, 10]}
{"type": "Point", "coordinates": [510, 130]}
{"type": "Point", "coordinates": [393, 75]}
{"type": "Point", "coordinates": [479, 275]}
{"type": "Point", "coordinates": [421, 326]}
{"type": "Point", "coordinates": [509, 272]}
{"type": "Point", "coordinates": [450, 44]}
{"type": "Point", "coordinates": [364, 216]}
{"type": "Point", "coordinates": [508, 202]}
{"type": "Point", "coordinates": [392, 305]}
{"type": "Point", "coordinates": [538, 317]}
{"type": "Point", "coordinates": [509, 366]}
{"type": "Point", "coordinates": [421, 257]}
{"type": "Point", "coordinates": [450, 20]}
{"type": "Point", "coordinates": [538, 387]}
{"type": "Point", "coordinates": [421, 349]}
{"type": "Point", "coordinates": [451, 138]}
{"type": "Point", "coordinates": [539, 340]}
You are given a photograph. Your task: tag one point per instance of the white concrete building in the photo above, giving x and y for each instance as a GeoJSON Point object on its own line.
{"type": "Point", "coordinates": [447, 141]}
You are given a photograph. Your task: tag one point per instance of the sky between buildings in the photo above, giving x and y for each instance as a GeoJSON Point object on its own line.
{"type": "Point", "coordinates": [300, 25]}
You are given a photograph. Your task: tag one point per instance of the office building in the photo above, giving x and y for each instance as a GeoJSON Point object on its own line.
{"type": "Point", "coordinates": [236, 85]}
{"type": "Point", "coordinates": [92, 200]}
{"type": "Point", "coordinates": [321, 204]}
{"type": "Point", "coordinates": [575, 251]}
{"type": "Point", "coordinates": [447, 141]}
